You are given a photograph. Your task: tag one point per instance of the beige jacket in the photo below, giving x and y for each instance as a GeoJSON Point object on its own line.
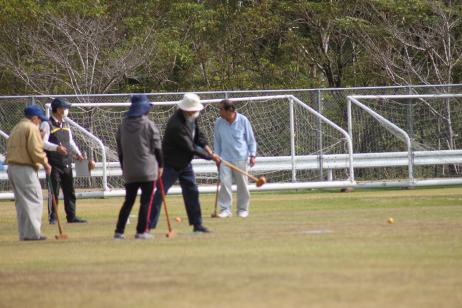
{"type": "Point", "coordinates": [25, 145]}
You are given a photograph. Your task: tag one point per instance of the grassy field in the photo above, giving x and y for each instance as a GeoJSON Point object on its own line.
{"type": "Point", "coordinates": [305, 249]}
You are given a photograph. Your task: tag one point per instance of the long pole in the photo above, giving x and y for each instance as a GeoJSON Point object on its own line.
{"type": "Point", "coordinates": [170, 233]}
{"type": "Point", "coordinates": [235, 168]}
{"type": "Point", "coordinates": [51, 195]}
{"type": "Point", "coordinates": [292, 139]}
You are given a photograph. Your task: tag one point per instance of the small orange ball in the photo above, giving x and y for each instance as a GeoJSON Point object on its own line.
{"type": "Point", "coordinates": [178, 219]}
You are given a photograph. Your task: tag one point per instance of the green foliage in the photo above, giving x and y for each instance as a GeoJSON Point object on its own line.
{"type": "Point", "coordinates": [204, 45]}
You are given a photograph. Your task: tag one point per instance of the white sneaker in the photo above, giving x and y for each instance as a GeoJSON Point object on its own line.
{"type": "Point", "coordinates": [225, 214]}
{"type": "Point", "coordinates": [243, 214]}
{"type": "Point", "coordinates": [144, 236]}
{"type": "Point", "coordinates": [119, 236]}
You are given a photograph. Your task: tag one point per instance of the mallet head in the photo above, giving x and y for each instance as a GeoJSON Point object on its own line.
{"type": "Point", "coordinates": [170, 234]}
{"type": "Point", "coordinates": [61, 237]}
{"type": "Point", "coordinates": [214, 215]}
{"type": "Point", "coordinates": [261, 181]}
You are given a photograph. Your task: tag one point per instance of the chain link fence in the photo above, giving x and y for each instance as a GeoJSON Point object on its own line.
{"type": "Point", "coordinates": [270, 120]}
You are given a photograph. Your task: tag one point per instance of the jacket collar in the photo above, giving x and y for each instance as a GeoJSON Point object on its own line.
{"type": "Point", "coordinates": [181, 115]}
{"type": "Point", "coordinates": [56, 120]}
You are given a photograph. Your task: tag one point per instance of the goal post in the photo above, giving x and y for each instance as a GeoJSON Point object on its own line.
{"type": "Point", "coordinates": [425, 126]}
{"type": "Point", "coordinates": [305, 139]}
{"type": "Point", "coordinates": [288, 153]}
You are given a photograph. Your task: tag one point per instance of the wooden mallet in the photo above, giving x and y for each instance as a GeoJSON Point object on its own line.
{"type": "Point", "coordinates": [170, 233]}
{"type": "Point", "coordinates": [62, 235]}
{"type": "Point", "coordinates": [214, 214]}
{"type": "Point", "coordinates": [260, 181]}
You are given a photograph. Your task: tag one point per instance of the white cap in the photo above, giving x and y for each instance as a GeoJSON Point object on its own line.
{"type": "Point", "coordinates": [190, 102]}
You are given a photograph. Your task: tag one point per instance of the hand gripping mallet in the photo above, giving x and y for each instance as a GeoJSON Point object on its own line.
{"type": "Point", "coordinates": [62, 235]}
{"type": "Point", "coordinates": [259, 181]}
{"type": "Point", "coordinates": [170, 233]}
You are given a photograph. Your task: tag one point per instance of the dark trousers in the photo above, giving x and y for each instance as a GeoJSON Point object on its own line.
{"type": "Point", "coordinates": [131, 190]}
{"type": "Point", "coordinates": [62, 177]}
{"type": "Point", "coordinates": [188, 189]}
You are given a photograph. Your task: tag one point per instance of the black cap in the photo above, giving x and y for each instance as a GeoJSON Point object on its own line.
{"type": "Point", "coordinates": [60, 102]}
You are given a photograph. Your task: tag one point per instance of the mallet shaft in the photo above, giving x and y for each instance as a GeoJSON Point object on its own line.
{"type": "Point", "coordinates": [162, 192]}
{"type": "Point", "coordinates": [235, 168]}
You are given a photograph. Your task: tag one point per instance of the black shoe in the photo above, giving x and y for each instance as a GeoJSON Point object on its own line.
{"type": "Point", "coordinates": [76, 220]}
{"type": "Point", "coordinates": [52, 218]}
{"type": "Point", "coordinates": [200, 228]}
{"type": "Point", "coordinates": [41, 238]}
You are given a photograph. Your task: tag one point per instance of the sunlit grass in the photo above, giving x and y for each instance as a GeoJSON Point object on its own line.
{"type": "Point", "coordinates": [305, 249]}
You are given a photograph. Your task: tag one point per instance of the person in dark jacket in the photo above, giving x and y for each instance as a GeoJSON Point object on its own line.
{"type": "Point", "coordinates": [182, 141]}
{"type": "Point", "coordinates": [140, 156]}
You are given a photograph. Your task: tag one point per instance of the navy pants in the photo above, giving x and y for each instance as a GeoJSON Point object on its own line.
{"type": "Point", "coordinates": [188, 189]}
{"type": "Point", "coordinates": [131, 189]}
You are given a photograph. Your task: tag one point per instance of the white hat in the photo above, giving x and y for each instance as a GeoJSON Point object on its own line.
{"type": "Point", "coordinates": [190, 102]}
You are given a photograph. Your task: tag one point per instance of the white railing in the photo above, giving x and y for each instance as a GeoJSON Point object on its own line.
{"type": "Point", "coordinates": [292, 99]}
{"type": "Point", "coordinates": [327, 162]}
{"type": "Point", "coordinates": [305, 162]}
{"type": "Point", "coordinates": [103, 151]}
{"type": "Point", "coordinates": [413, 157]}
{"type": "Point", "coordinates": [105, 169]}
{"type": "Point", "coordinates": [385, 123]}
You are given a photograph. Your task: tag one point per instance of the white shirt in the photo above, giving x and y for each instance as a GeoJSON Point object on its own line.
{"type": "Point", "coordinates": [45, 129]}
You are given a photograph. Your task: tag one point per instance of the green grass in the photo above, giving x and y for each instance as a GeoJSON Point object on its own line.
{"type": "Point", "coordinates": [305, 249]}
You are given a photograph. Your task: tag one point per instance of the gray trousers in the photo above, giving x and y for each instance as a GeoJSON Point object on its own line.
{"type": "Point", "coordinates": [28, 199]}
{"type": "Point", "coordinates": [225, 196]}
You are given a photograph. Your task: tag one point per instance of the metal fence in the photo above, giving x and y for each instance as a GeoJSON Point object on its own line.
{"type": "Point", "coordinates": [330, 102]}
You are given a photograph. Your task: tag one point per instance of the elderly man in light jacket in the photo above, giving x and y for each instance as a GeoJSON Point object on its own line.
{"type": "Point", "coordinates": [24, 156]}
{"type": "Point", "coordinates": [235, 142]}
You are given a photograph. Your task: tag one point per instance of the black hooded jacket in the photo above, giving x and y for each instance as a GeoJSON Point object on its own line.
{"type": "Point", "coordinates": [178, 144]}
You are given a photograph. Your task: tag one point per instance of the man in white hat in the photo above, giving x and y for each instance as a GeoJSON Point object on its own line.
{"type": "Point", "coordinates": [182, 141]}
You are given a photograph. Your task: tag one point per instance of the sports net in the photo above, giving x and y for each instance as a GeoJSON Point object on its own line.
{"type": "Point", "coordinates": [271, 124]}
{"type": "Point", "coordinates": [270, 120]}
{"type": "Point", "coordinates": [431, 123]}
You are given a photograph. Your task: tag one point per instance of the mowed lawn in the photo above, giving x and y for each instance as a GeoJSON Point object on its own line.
{"type": "Point", "coordinates": [296, 249]}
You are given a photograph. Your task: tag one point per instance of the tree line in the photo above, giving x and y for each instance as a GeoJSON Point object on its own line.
{"type": "Point", "coordinates": [102, 46]}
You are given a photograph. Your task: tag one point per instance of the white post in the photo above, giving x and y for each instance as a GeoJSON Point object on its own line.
{"type": "Point", "coordinates": [350, 124]}
{"type": "Point", "coordinates": [350, 132]}
{"type": "Point", "coordinates": [292, 139]}
{"type": "Point", "coordinates": [336, 127]}
{"type": "Point", "coordinates": [397, 129]}
{"type": "Point", "coordinates": [320, 143]}
{"type": "Point", "coordinates": [103, 151]}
